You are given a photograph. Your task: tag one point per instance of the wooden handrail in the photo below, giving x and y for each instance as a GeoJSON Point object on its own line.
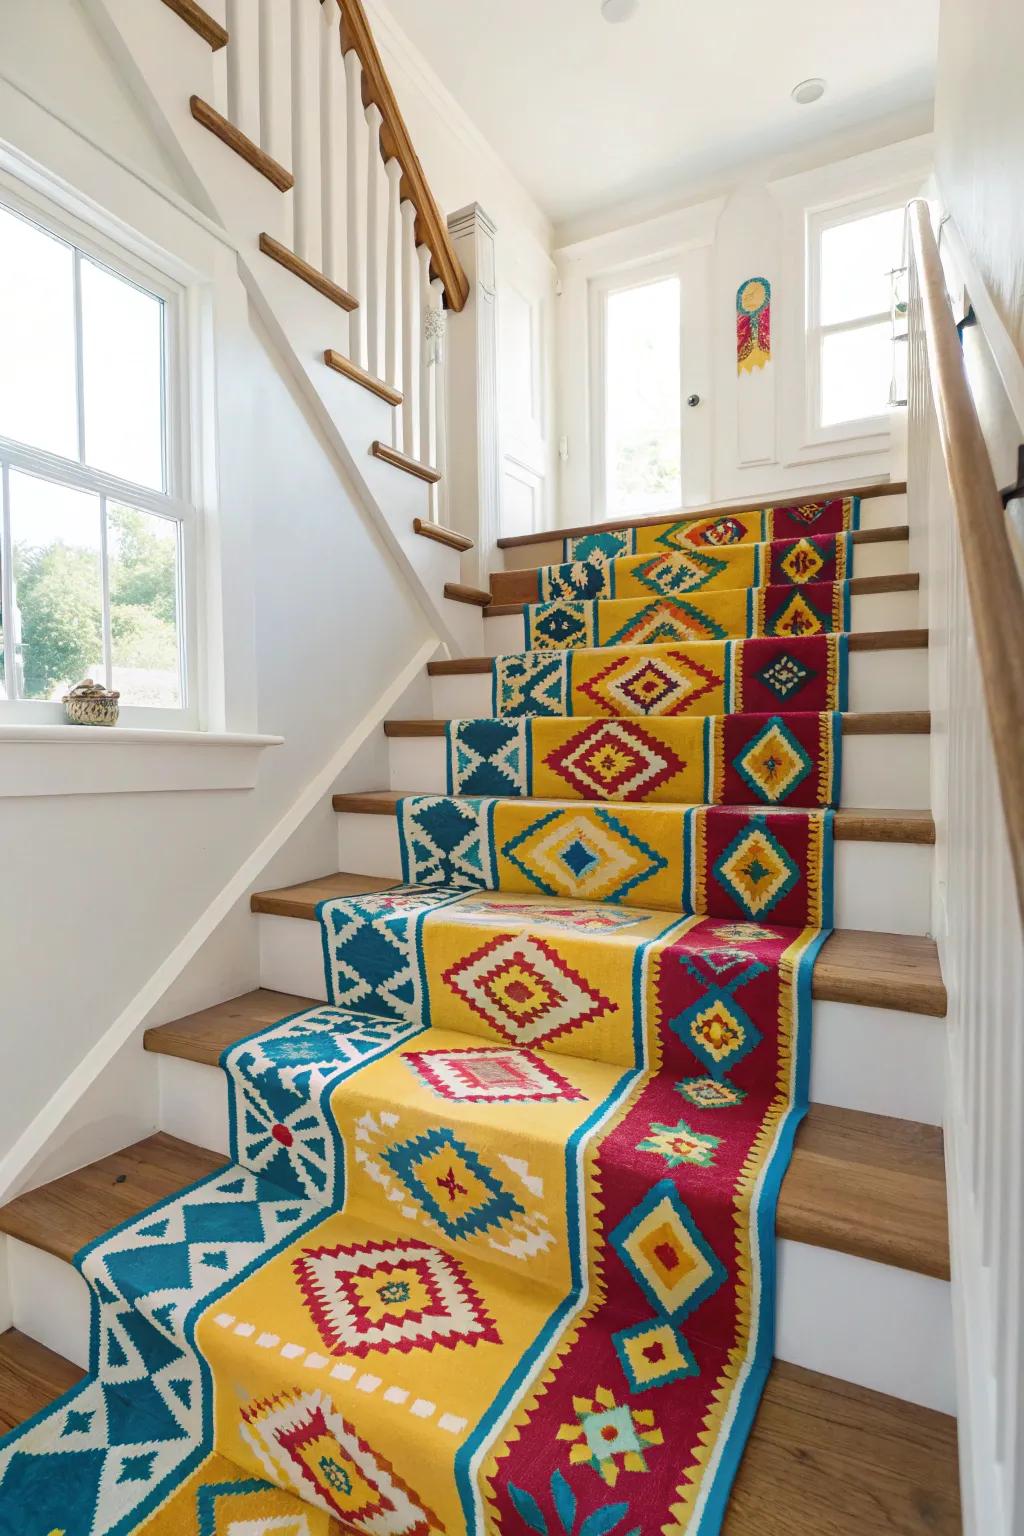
{"type": "Point", "coordinates": [993, 581]}
{"type": "Point", "coordinates": [395, 143]}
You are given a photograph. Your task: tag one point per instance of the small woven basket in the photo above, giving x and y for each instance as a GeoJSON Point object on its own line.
{"type": "Point", "coordinates": [90, 703]}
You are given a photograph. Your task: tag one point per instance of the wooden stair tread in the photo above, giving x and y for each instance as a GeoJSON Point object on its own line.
{"type": "Point", "coordinates": [242, 145]}
{"type": "Point", "coordinates": [307, 272]}
{"type": "Point", "coordinates": [517, 540]}
{"type": "Point", "coordinates": [823, 1455]}
{"type": "Point", "coordinates": [893, 722]}
{"type": "Point", "coordinates": [860, 586]}
{"type": "Point", "coordinates": [31, 1377]}
{"type": "Point", "coordinates": [521, 585]}
{"type": "Point", "coordinates": [882, 970]}
{"type": "Point", "coordinates": [866, 640]}
{"type": "Point", "coordinates": [63, 1216]}
{"type": "Point", "coordinates": [851, 825]}
{"type": "Point", "coordinates": [827, 1458]}
{"type": "Point", "coordinates": [859, 1183]}
{"type": "Point", "coordinates": [459, 592]}
{"type": "Point", "coordinates": [443, 535]}
{"type": "Point", "coordinates": [344, 365]}
{"type": "Point", "coordinates": [200, 21]}
{"type": "Point", "coordinates": [389, 455]}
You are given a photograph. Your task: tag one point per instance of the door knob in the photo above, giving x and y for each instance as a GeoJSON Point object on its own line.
{"type": "Point", "coordinates": [692, 400]}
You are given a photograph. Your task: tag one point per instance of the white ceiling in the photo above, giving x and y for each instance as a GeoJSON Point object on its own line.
{"type": "Point", "coordinates": [589, 115]}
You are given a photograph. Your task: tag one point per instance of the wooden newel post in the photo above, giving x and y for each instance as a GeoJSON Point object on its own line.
{"type": "Point", "coordinates": [474, 484]}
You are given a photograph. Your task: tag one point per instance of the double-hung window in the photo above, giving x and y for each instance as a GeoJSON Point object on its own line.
{"type": "Point", "coordinates": [852, 255]}
{"type": "Point", "coordinates": [97, 534]}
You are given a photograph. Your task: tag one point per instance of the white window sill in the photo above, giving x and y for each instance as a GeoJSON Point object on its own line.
{"type": "Point", "coordinates": [105, 760]}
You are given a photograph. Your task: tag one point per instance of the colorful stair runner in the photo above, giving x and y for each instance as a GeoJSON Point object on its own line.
{"type": "Point", "coordinates": [494, 1250]}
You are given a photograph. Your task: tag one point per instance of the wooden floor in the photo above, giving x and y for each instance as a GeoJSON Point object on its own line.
{"type": "Point", "coordinates": [862, 1184]}
{"type": "Point", "coordinates": [882, 970]}
{"type": "Point", "coordinates": [824, 1458]}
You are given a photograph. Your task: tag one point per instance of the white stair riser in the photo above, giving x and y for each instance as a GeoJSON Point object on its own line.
{"type": "Point", "coordinates": [879, 680]}
{"type": "Point", "coordinates": [503, 635]}
{"type": "Point", "coordinates": [864, 1322]}
{"type": "Point", "coordinates": [848, 1043]}
{"type": "Point", "coordinates": [882, 886]}
{"type": "Point", "coordinates": [466, 622]}
{"type": "Point", "coordinates": [889, 771]}
{"type": "Point", "coordinates": [49, 1301]}
{"type": "Point", "coordinates": [875, 512]}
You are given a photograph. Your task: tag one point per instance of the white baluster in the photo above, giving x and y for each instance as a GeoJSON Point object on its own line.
{"type": "Point", "coordinates": [374, 242]}
{"type": "Point", "coordinates": [412, 337]}
{"type": "Point", "coordinates": [393, 278]}
{"type": "Point", "coordinates": [218, 9]}
{"type": "Point", "coordinates": [276, 96]}
{"type": "Point", "coordinates": [440, 370]}
{"type": "Point", "coordinates": [333, 138]}
{"type": "Point", "coordinates": [428, 346]}
{"type": "Point", "coordinates": [306, 24]}
{"type": "Point", "coordinates": [355, 199]}
{"type": "Point", "coordinates": [243, 53]}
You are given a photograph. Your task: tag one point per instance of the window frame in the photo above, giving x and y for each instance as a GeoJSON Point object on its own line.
{"type": "Point", "coordinates": [602, 287]}
{"type": "Point", "coordinates": [173, 504]}
{"type": "Point", "coordinates": [818, 222]}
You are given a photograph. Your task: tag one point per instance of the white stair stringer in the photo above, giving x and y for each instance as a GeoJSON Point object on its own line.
{"type": "Point", "coordinates": [167, 63]}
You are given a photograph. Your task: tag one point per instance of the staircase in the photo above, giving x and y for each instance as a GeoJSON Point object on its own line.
{"type": "Point", "coordinates": [854, 1433]}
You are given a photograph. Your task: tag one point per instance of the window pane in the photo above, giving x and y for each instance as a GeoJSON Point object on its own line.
{"type": "Point", "coordinates": [856, 259]}
{"type": "Point", "coordinates": [37, 338]}
{"type": "Point", "coordinates": [856, 371]}
{"type": "Point", "coordinates": [143, 555]}
{"type": "Point", "coordinates": [122, 361]}
{"type": "Point", "coordinates": [57, 628]}
{"type": "Point", "coordinates": [642, 430]}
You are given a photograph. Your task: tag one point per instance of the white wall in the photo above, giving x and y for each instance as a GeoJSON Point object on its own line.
{"type": "Point", "coordinates": [979, 143]}
{"type": "Point", "coordinates": [100, 889]}
{"type": "Point", "coordinates": [748, 437]}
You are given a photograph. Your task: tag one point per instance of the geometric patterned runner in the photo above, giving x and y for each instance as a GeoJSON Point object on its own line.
{"type": "Point", "coordinates": [759, 526]}
{"type": "Point", "coordinates": [494, 1251]}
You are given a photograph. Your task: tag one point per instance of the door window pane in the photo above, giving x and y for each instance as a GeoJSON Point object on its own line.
{"type": "Point", "coordinates": [856, 372]}
{"type": "Point", "coordinates": [642, 426]}
{"type": "Point", "coordinates": [122, 368]}
{"type": "Point", "coordinates": [142, 551]}
{"type": "Point", "coordinates": [37, 338]}
{"type": "Point", "coordinates": [57, 628]}
{"type": "Point", "coordinates": [856, 259]}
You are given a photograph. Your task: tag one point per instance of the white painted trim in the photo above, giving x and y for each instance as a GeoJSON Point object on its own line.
{"type": "Point", "coordinates": [32, 1141]}
{"type": "Point", "coordinates": [62, 760]}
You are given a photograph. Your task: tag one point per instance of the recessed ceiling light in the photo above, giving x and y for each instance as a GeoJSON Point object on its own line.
{"type": "Point", "coordinates": [619, 10]}
{"type": "Point", "coordinates": [808, 91]}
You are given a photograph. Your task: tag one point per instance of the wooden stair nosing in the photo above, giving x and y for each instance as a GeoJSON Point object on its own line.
{"type": "Point", "coordinates": [865, 492]}
{"type": "Point", "coordinates": [442, 535]}
{"type": "Point", "coordinates": [389, 455]}
{"type": "Point", "coordinates": [851, 825]}
{"type": "Point", "coordinates": [344, 365]}
{"type": "Point", "coordinates": [458, 592]}
{"type": "Point", "coordinates": [295, 264]}
{"type": "Point", "coordinates": [31, 1378]}
{"type": "Point", "coordinates": [878, 970]}
{"type": "Point", "coordinates": [201, 22]}
{"type": "Point", "coordinates": [860, 1183]}
{"type": "Point", "coordinates": [860, 586]}
{"type": "Point", "coordinates": [242, 145]}
{"type": "Point", "coordinates": [860, 640]}
{"type": "Point", "coordinates": [893, 722]}
{"type": "Point", "coordinates": [820, 1450]}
